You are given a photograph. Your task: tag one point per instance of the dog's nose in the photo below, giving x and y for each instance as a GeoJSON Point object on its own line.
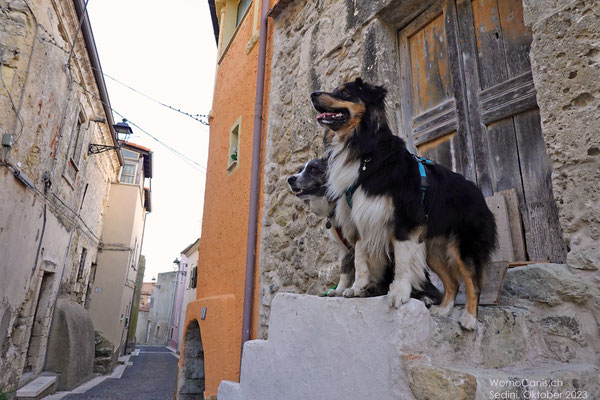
{"type": "Point", "coordinates": [315, 94]}
{"type": "Point", "coordinates": [292, 179]}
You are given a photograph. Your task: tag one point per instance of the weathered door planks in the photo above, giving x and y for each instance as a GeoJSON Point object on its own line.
{"type": "Point", "coordinates": [471, 106]}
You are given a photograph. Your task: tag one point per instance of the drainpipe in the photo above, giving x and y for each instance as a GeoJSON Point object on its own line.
{"type": "Point", "coordinates": [254, 176]}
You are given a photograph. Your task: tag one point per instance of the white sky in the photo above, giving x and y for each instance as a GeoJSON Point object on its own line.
{"type": "Point", "coordinates": [166, 50]}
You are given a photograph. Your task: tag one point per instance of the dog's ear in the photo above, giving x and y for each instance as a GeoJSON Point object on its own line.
{"type": "Point", "coordinates": [372, 94]}
{"type": "Point", "coordinates": [358, 82]}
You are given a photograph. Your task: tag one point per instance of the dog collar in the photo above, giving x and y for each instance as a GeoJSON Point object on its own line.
{"type": "Point", "coordinates": [350, 192]}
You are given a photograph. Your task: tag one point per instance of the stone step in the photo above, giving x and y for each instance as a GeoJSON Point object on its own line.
{"type": "Point", "coordinates": [508, 336]}
{"type": "Point", "coordinates": [38, 388]}
{"type": "Point", "coordinates": [103, 365]}
{"type": "Point", "coordinates": [542, 381]}
{"type": "Point", "coordinates": [360, 348]}
{"type": "Point", "coordinates": [332, 348]}
{"type": "Point", "coordinates": [429, 382]}
{"type": "Point", "coordinates": [104, 352]}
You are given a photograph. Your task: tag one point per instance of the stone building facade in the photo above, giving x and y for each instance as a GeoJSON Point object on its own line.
{"type": "Point", "coordinates": [53, 104]}
{"type": "Point", "coordinates": [319, 44]}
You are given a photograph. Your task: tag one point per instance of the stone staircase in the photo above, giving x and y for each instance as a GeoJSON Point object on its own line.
{"type": "Point", "coordinates": [541, 339]}
{"type": "Point", "coordinates": [105, 359]}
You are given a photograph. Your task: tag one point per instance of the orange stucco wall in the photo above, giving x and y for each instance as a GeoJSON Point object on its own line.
{"type": "Point", "coordinates": [222, 250]}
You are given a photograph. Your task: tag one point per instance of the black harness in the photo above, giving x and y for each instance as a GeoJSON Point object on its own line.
{"type": "Point", "coordinates": [422, 161]}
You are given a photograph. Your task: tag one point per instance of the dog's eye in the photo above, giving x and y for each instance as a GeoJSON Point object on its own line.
{"type": "Point", "coordinates": [345, 93]}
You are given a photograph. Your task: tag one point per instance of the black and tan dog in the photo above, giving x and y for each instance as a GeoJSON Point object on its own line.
{"type": "Point", "coordinates": [382, 206]}
{"type": "Point", "coordinates": [310, 185]}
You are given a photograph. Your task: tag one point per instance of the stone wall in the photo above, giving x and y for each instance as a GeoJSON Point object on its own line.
{"type": "Point", "coordinates": [565, 56]}
{"type": "Point", "coordinates": [320, 44]}
{"type": "Point", "coordinates": [46, 223]}
{"type": "Point", "coordinates": [316, 46]}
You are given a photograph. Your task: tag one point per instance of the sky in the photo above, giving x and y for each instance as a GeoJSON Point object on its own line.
{"type": "Point", "coordinates": [167, 51]}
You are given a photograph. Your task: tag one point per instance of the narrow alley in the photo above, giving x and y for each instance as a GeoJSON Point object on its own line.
{"type": "Point", "coordinates": [151, 376]}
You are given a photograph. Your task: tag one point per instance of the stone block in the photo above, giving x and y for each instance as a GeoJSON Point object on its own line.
{"type": "Point", "coordinates": [563, 325]}
{"type": "Point", "coordinates": [552, 284]}
{"type": "Point", "coordinates": [585, 259]}
{"type": "Point", "coordinates": [539, 382]}
{"type": "Point", "coordinates": [230, 390]}
{"type": "Point", "coordinates": [71, 345]}
{"type": "Point", "coordinates": [36, 388]}
{"type": "Point", "coordinates": [321, 347]}
{"type": "Point", "coordinates": [435, 383]}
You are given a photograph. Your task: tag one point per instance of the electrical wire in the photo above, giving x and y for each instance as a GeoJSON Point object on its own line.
{"type": "Point", "coordinates": [174, 151]}
{"type": "Point", "coordinates": [196, 117]}
{"type": "Point", "coordinates": [177, 153]}
{"type": "Point", "coordinates": [52, 40]}
{"type": "Point", "coordinates": [83, 14]}
{"type": "Point", "coordinates": [10, 98]}
{"type": "Point", "coordinates": [89, 232]}
{"type": "Point", "coordinates": [202, 118]}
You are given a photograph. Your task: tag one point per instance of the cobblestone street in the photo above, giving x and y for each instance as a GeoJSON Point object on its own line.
{"type": "Point", "coordinates": [152, 376]}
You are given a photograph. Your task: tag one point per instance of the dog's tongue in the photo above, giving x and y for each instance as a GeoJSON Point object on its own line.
{"type": "Point", "coordinates": [325, 114]}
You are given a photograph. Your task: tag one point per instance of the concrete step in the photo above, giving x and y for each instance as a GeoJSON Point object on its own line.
{"type": "Point", "coordinates": [360, 348]}
{"type": "Point", "coordinates": [38, 388]}
{"type": "Point", "coordinates": [321, 348]}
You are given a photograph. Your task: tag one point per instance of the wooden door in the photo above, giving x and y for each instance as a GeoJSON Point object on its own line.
{"type": "Point", "coordinates": [470, 105]}
{"type": "Point", "coordinates": [434, 108]}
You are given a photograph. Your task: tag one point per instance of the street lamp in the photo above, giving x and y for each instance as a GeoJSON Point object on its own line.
{"type": "Point", "coordinates": [122, 128]}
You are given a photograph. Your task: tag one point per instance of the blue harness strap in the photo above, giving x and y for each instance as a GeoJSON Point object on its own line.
{"type": "Point", "coordinates": [424, 182]}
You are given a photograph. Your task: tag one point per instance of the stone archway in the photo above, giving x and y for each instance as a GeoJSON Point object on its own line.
{"type": "Point", "coordinates": [190, 377]}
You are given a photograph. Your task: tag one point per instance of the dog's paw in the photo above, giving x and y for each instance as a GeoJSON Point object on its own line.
{"type": "Point", "coordinates": [468, 321]}
{"type": "Point", "coordinates": [442, 311]}
{"type": "Point", "coordinates": [399, 294]}
{"type": "Point", "coordinates": [349, 292]}
{"type": "Point", "coordinates": [333, 293]}
{"type": "Point", "coordinates": [428, 301]}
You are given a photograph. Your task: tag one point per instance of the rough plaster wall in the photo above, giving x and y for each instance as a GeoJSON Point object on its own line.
{"type": "Point", "coordinates": [317, 46]}
{"type": "Point", "coordinates": [565, 56]}
{"type": "Point", "coordinates": [162, 301]}
{"type": "Point", "coordinates": [36, 40]}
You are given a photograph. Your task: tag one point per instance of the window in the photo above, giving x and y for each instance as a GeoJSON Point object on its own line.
{"type": "Point", "coordinates": [128, 175]}
{"type": "Point", "coordinates": [241, 10]}
{"type": "Point", "coordinates": [77, 141]}
{"type": "Point", "coordinates": [194, 278]}
{"type": "Point", "coordinates": [82, 263]}
{"type": "Point", "coordinates": [234, 146]}
{"type": "Point", "coordinates": [232, 13]}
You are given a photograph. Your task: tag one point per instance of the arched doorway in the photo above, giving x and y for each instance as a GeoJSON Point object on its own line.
{"type": "Point", "coordinates": [190, 377]}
